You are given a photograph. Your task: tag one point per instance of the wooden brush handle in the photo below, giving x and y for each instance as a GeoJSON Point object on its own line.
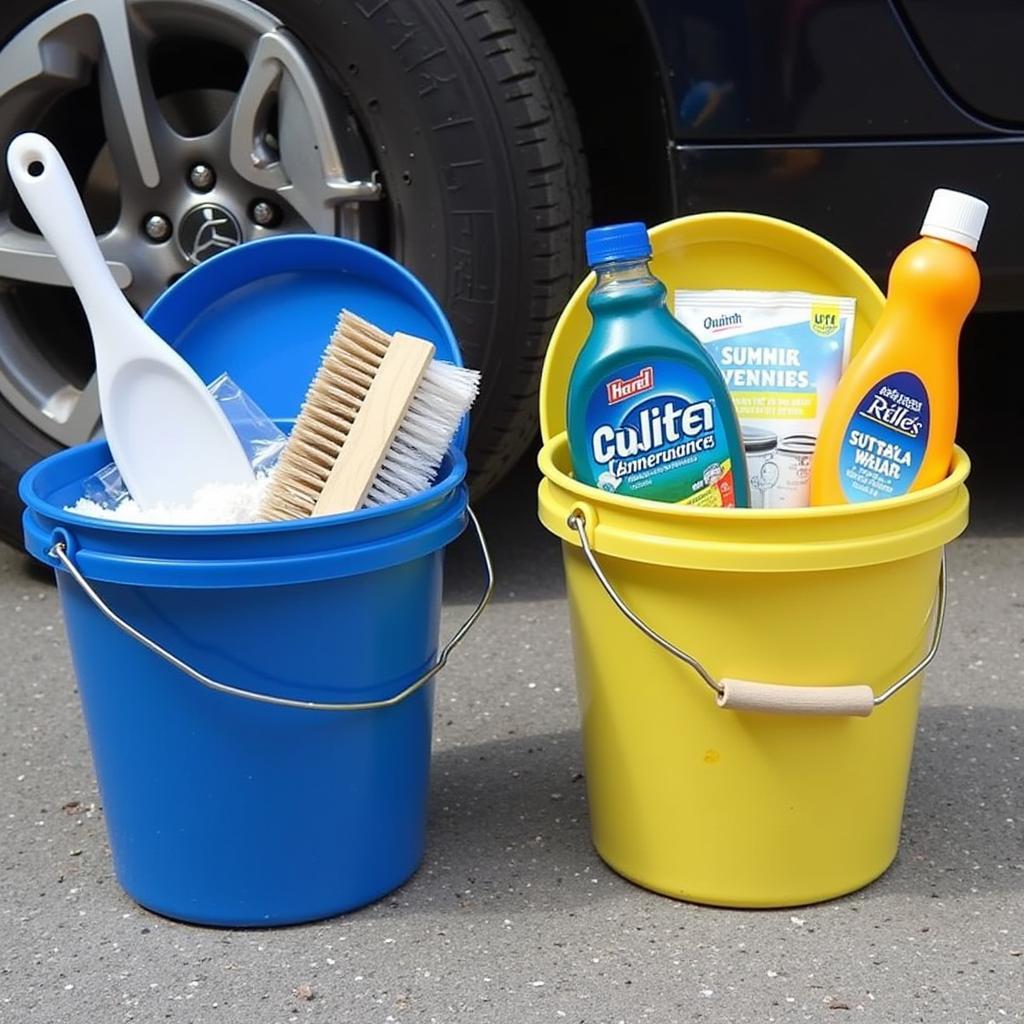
{"type": "Point", "coordinates": [375, 425]}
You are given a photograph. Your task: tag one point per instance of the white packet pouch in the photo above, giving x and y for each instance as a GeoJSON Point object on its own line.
{"type": "Point", "coordinates": [781, 354]}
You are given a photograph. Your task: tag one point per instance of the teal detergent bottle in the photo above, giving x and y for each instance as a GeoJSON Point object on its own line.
{"type": "Point", "coordinates": [649, 413]}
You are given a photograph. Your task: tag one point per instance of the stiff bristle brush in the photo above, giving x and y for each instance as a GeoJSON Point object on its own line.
{"type": "Point", "coordinates": [374, 427]}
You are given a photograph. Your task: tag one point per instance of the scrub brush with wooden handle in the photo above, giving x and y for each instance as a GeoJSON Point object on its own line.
{"type": "Point", "coordinates": [374, 427]}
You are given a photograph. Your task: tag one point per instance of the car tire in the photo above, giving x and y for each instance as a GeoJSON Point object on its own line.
{"type": "Point", "coordinates": [480, 157]}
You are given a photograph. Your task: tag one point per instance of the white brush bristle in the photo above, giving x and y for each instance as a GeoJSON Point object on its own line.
{"type": "Point", "coordinates": [444, 396]}
{"type": "Point", "coordinates": [335, 396]}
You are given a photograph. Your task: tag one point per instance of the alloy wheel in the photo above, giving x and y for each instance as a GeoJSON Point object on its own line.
{"type": "Point", "coordinates": [190, 126]}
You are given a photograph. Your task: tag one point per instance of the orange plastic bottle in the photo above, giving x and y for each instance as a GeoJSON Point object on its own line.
{"type": "Point", "coordinates": [891, 424]}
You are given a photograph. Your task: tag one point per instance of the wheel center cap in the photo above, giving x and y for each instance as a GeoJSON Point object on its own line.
{"type": "Point", "coordinates": [206, 230]}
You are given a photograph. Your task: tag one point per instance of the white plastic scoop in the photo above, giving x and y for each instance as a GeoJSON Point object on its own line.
{"type": "Point", "coordinates": [166, 432]}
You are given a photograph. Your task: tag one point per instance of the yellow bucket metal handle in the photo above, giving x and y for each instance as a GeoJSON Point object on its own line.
{"type": "Point", "coordinates": [770, 698]}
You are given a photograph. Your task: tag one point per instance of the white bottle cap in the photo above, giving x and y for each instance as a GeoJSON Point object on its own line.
{"type": "Point", "coordinates": [956, 217]}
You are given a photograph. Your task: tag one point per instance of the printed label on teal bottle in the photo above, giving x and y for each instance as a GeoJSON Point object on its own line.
{"type": "Point", "coordinates": [653, 432]}
{"type": "Point", "coordinates": [885, 439]}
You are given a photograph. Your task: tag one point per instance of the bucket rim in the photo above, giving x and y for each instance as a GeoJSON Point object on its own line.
{"type": "Point", "coordinates": [455, 460]}
{"type": "Point", "coordinates": [555, 445]}
{"type": "Point", "coordinates": [750, 540]}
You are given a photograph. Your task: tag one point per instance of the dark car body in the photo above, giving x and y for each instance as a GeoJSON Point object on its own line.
{"type": "Point", "coordinates": [497, 138]}
{"type": "Point", "coordinates": [839, 115]}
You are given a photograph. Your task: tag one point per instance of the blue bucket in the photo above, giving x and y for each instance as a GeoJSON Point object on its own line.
{"type": "Point", "coordinates": [258, 698]}
{"type": "Point", "coordinates": [248, 783]}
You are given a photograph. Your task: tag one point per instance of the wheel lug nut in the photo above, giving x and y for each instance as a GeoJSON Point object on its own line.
{"type": "Point", "coordinates": [265, 214]}
{"type": "Point", "coordinates": [202, 178]}
{"type": "Point", "coordinates": [157, 227]}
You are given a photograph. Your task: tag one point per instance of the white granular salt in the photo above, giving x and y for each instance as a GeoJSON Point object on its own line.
{"type": "Point", "coordinates": [213, 505]}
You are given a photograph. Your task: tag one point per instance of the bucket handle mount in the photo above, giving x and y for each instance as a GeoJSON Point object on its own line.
{"type": "Point", "coordinates": [772, 698]}
{"type": "Point", "coordinates": [60, 552]}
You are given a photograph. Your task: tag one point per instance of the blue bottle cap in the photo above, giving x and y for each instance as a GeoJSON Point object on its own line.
{"type": "Point", "coordinates": [618, 242]}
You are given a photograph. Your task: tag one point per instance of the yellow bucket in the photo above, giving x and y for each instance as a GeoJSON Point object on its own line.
{"type": "Point", "coordinates": [748, 680]}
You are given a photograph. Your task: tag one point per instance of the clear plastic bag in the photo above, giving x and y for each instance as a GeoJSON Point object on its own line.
{"type": "Point", "coordinates": [260, 438]}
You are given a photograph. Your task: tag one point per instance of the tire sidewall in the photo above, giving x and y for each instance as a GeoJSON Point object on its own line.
{"type": "Point", "coordinates": [451, 185]}
{"type": "Point", "coordinates": [430, 102]}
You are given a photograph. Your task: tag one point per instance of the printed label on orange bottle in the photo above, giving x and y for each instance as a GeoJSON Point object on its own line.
{"type": "Point", "coordinates": [886, 439]}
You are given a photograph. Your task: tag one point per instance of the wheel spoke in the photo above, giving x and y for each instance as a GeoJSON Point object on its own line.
{"type": "Point", "coordinates": [249, 153]}
{"type": "Point", "coordinates": [68, 414]}
{"type": "Point", "coordinates": [24, 55]}
{"type": "Point", "coordinates": [130, 110]}
{"type": "Point", "coordinates": [306, 167]}
{"type": "Point", "coordinates": [82, 414]}
{"type": "Point", "coordinates": [28, 257]}
{"type": "Point", "coordinates": [72, 415]}
{"type": "Point", "coordinates": [65, 43]}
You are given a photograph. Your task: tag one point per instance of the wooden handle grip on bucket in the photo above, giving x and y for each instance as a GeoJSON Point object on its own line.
{"type": "Point", "coordinates": [772, 698]}
{"type": "Point", "coordinates": [767, 698]}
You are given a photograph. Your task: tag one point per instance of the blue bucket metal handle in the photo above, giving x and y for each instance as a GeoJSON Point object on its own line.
{"type": "Point", "coordinates": [61, 552]}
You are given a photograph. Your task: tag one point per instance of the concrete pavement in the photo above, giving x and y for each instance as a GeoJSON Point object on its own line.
{"type": "Point", "coordinates": [513, 918]}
